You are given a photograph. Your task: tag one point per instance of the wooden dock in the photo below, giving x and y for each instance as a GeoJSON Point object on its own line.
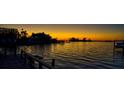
{"type": "Point", "coordinates": [33, 60]}
{"type": "Point", "coordinates": [24, 61]}
{"type": "Point", "coordinates": [13, 62]}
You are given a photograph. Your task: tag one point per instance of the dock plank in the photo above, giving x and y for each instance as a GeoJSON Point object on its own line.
{"type": "Point", "coordinates": [13, 62]}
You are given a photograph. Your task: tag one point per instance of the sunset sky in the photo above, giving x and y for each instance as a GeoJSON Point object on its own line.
{"type": "Point", "coordinates": [66, 31]}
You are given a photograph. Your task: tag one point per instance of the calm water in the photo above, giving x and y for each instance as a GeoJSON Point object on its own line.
{"type": "Point", "coordinates": [80, 54]}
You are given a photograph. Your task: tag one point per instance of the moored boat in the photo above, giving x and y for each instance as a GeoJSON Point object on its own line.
{"type": "Point", "coordinates": [119, 44]}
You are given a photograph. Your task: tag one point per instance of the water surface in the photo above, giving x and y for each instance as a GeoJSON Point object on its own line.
{"type": "Point", "coordinates": [80, 54]}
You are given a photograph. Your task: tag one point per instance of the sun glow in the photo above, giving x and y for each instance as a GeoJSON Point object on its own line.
{"type": "Point", "coordinates": [65, 31]}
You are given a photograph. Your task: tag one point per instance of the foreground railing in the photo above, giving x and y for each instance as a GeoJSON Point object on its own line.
{"type": "Point", "coordinates": [30, 59]}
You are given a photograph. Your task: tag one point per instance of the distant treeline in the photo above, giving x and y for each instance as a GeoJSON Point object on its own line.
{"type": "Point", "coordinates": [73, 39]}
{"type": "Point", "coordinates": [11, 36]}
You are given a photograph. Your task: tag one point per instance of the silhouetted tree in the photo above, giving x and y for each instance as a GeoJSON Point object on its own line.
{"type": "Point", "coordinates": [12, 36]}
{"type": "Point", "coordinates": [24, 33]}
{"type": "Point", "coordinates": [84, 39]}
{"type": "Point", "coordinates": [38, 38]}
{"type": "Point", "coordinates": [54, 40]}
{"type": "Point", "coordinates": [23, 37]}
{"type": "Point", "coordinates": [73, 39]}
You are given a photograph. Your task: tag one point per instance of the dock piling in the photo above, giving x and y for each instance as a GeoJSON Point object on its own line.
{"type": "Point", "coordinates": [31, 63]}
{"type": "Point", "coordinates": [53, 62]}
{"type": "Point", "coordinates": [40, 65]}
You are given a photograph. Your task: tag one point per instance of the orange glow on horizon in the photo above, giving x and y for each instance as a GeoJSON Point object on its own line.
{"type": "Point", "coordinates": [92, 36]}
{"type": "Point", "coordinates": [66, 36]}
{"type": "Point", "coordinates": [64, 32]}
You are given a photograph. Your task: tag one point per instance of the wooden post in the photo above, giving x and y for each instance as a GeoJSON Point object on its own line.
{"type": "Point", "coordinates": [40, 65]}
{"type": "Point", "coordinates": [31, 63]}
{"type": "Point", "coordinates": [114, 48]}
{"type": "Point", "coordinates": [15, 50]}
{"type": "Point", "coordinates": [5, 51]}
{"type": "Point", "coordinates": [114, 43]}
{"type": "Point", "coordinates": [25, 57]}
{"type": "Point", "coordinates": [21, 54]}
{"type": "Point", "coordinates": [53, 62]}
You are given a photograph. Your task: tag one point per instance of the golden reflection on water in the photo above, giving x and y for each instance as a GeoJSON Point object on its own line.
{"type": "Point", "coordinates": [75, 50]}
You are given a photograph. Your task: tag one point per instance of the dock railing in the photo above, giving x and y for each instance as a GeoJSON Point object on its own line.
{"type": "Point", "coordinates": [31, 59]}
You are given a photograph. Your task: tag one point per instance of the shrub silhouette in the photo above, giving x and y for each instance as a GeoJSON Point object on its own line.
{"type": "Point", "coordinates": [11, 36]}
